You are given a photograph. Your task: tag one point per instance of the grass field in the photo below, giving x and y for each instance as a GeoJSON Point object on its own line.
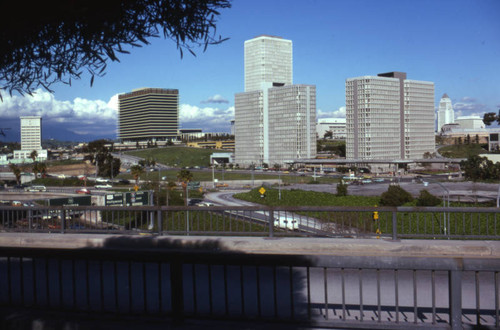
{"type": "Point", "coordinates": [411, 224]}
{"type": "Point", "coordinates": [176, 156]}
{"type": "Point", "coordinates": [230, 175]}
{"type": "Point", "coordinates": [462, 150]}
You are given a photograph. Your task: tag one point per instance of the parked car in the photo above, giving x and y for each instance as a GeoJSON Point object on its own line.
{"type": "Point", "coordinates": [103, 186]}
{"type": "Point", "coordinates": [102, 180]}
{"type": "Point", "coordinates": [83, 191]}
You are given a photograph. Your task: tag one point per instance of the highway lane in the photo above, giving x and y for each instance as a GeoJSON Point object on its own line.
{"type": "Point", "coordinates": [303, 223]}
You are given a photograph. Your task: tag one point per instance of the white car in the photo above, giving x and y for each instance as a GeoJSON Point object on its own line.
{"type": "Point", "coordinates": [205, 204]}
{"type": "Point", "coordinates": [103, 186]}
{"type": "Point", "coordinates": [35, 188]}
{"type": "Point", "coordinates": [101, 180]}
{"type": "Point", "coordinates": [286, 222]}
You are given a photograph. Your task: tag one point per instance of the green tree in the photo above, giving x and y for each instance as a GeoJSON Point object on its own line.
{"type": "Point", "coordinates": [489, 118]}
{"type": "Point", "coordinates": [51, 42]}
{"type": "Point", "coordinates": [478, 168]}
{"type": "Point", "coordinates": [425, 198]}
{"type": "Point", "coordinates": [328, 135]}
{"type": "Point", "coordinates": [341, 189]}
{"type": "Point", "coordinates": [34, 155]}
{"type": "Point", "coordinates": [184, 176]}
{"type": "Point", "coordinates": [136, 171]}
{"type": "Point", "coordinates": [395, 196]}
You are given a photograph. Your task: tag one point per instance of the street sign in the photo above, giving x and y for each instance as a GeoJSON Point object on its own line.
{"type": "Point", "coordinates": [130, 198]}
{"type": "Point", "coordinates": [262, 190]}
{"type": "Point", "coordinates": [71, 201]}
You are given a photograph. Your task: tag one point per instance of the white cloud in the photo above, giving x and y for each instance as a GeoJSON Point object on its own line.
{"type": "Point", "coordinates": [217, 98]}
{"type": "Point", "coordinates": [339, 113]}
{"type": "Point", "coordinates": [80, 116]}
{"type": "Point", "coordinates": [209, 119]}
{"type": "Point", "coordinates": [97, 117]}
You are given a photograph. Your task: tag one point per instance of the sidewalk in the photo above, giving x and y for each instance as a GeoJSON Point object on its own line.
{"type": "Point", "coordinates": [262, 245]}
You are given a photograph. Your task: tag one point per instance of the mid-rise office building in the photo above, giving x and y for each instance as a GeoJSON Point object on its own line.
{"type": "Point", "coordinates": [148, 114]}
{"type": "Point", "coordinates": [31, 138]}
{"type": "Point", "coordinates": [389, 117]}
{"type": "Point", "coordinates": [445, 114]}
{"type": "Point", "coordinates": [275, 125]}
{"type": "Point", "coordinates": [268, 59]}
{"type": "Point", "coordinates": [275, 120]}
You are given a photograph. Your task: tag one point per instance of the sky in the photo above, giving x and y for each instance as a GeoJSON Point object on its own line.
{"type": "Point", "coordinates": [453, 43]}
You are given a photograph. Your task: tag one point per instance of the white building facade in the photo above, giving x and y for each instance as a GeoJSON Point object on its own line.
{"type": "Point", "coordinates": [268, 59]}
{"type": "Point", "coordinates": [470, 122]}
{"type": "Point", "coordinates": [389, 117]}
{"type": "Point", "coordinates": [334, 125]}
{"type": "Point", "coordinates": [275, 121]}
{"type": "Point", "coordinates": [31, 139]}
{"type": "Point", "coordinates": [445, 114]}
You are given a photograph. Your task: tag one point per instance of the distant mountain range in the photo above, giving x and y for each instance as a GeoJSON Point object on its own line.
{"type": "Point", "coordinates": [49, 131]}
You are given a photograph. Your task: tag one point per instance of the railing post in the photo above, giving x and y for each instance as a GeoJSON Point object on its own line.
{"type": "Point", "coordinates": [159, 220]}
{"type": "Point", "coordinates": [62, 214]}
{"type": "Point", "coordinates": [455, 299]}
{"type": "Point", "coordinates": [394, 225]}
{"type": "Point", "coordinates": [271, 223]}
{"type": "Point", "coordinates": [30, 220]}
{"type": "Point", "coordinates": [176, 285]}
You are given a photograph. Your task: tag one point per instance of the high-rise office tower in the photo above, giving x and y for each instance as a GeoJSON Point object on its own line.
{"type": "Point", "coordinates": [389, 117]}
{"type": "Point", "coordinates": [274, 120]}
{"type": "Point", "coordinates": [268, 59]}
{"type": "Point", "coordinates": [148, 114]}
{"type": "Point", "coordinates": [31, 138]}
{"type": "Point", "coordinates": [445, 114]}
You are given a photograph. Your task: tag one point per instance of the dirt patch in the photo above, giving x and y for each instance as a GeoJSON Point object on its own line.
{"type": "Point", "coordinates": [73, 169]}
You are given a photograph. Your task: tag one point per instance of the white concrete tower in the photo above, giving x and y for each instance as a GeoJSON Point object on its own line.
{"type": "Point", "coordinates": [268, 59]}
{"type": "Point", "coordinates": [445, 114]}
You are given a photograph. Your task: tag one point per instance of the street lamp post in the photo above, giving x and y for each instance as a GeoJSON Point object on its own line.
{"type": "Point", "coordinates": [279, 185]}
{"type": "Point", "coordinates": [446, 198]}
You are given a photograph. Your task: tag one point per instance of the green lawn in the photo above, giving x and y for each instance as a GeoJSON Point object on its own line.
{"type": "Point", "coordinates": [411, 224]}
{"type": "Point", "coordinates": [176, 156]}
{"type": "Point", "coordinates": [461, 150]}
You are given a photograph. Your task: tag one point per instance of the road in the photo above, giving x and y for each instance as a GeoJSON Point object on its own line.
{"type": "Point", "coordinates": [301, 222]}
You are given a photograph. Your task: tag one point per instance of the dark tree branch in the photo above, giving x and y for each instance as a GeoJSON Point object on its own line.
{"type": "Point", "coordinates": [50, 42]}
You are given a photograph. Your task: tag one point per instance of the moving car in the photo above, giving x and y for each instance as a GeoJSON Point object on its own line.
{"type": "Point", "coordinates": [103, 186]}
{"type": "Point", "coordinates": [35, 188]}
{"type": "Point", "coordinates": [83, 191]}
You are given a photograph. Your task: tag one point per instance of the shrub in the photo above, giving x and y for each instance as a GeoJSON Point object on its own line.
{"type": "Point", "coordinates": [427, 199]}
{"type": "Point", "coordinates": [395, 196]}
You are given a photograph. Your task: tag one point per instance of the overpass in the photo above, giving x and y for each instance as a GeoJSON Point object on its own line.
{"type": "Point", "coordinates": [221, 267]}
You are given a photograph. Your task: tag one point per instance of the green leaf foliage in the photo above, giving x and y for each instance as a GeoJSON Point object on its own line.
{"type": "Point", "coordinates": [427, 199]}
{"type": "Point", "coordinates": [395, 196]}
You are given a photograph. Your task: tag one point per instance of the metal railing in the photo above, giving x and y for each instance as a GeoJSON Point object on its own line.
{"type": "Point", "coordinates": [305, 290]}
{"type": "Point", "coordinates": [358, 222]}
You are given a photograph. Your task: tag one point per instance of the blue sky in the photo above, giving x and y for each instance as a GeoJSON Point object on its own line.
{"type": "Point", "coordinates": [455, 44]}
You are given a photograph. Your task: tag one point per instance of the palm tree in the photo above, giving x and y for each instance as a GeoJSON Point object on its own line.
{"type": "Point", "coordinates": [136, 171]}
{"type": "Point", "coordinates": [42, 169]}
{"type": "Point", "coordinates": [170, 186]}
{"type": "Point", "coordinates": [16, 170]}
{"type": "Point", "coordinates": [184, 176]}
{"type": "Point", "coordinates": [34, 155]}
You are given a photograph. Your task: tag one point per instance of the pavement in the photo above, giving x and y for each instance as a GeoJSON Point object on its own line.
{"type": "Point", "coordinates": [262, 245]}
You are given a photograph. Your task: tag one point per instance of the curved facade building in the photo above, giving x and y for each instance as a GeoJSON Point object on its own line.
{"type": "Point", "coordinates": [148, 114]}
